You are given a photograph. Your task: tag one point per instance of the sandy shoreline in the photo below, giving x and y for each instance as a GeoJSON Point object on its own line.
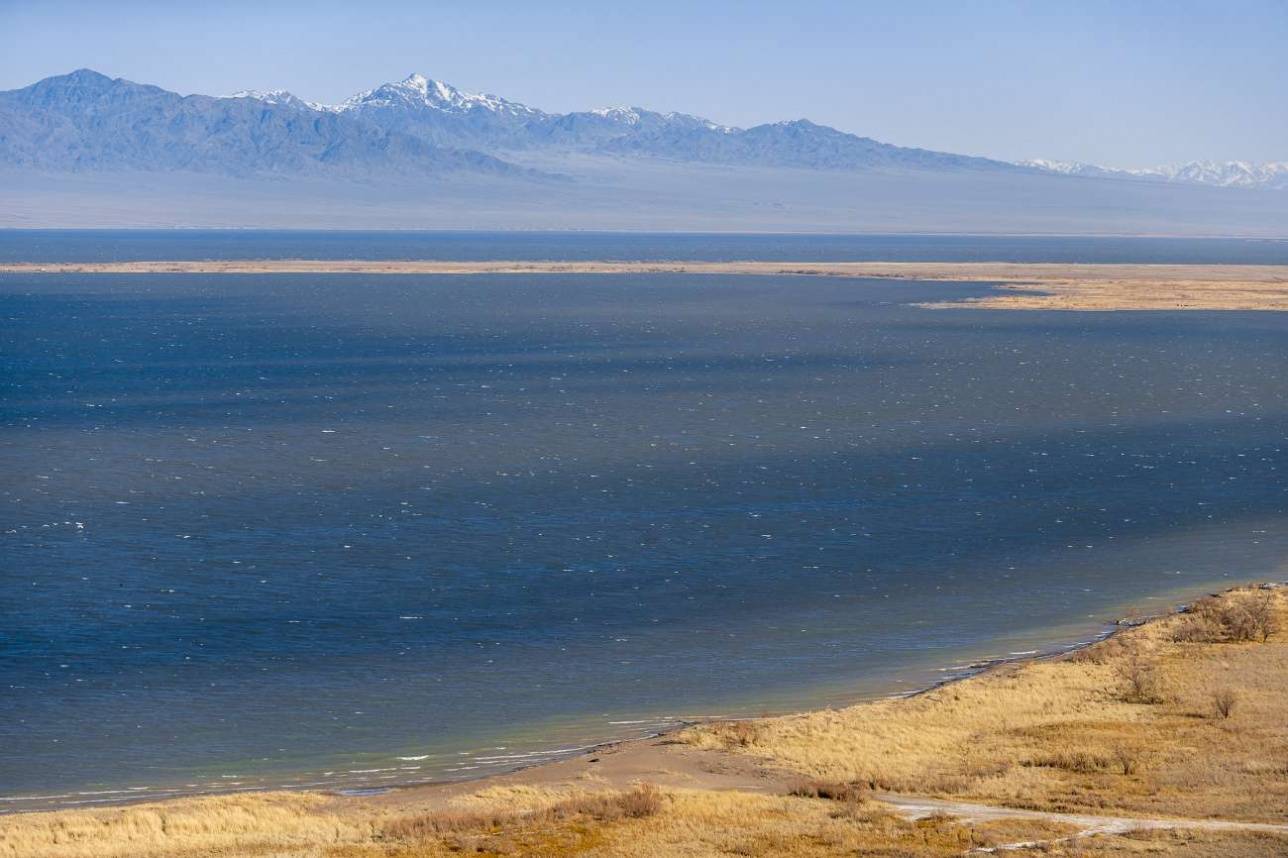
{"type": "Point", "coordinates": [1027, 286]}
{"type": "Point", "coordinates": [623, 761]}
{"type": "Point", "coordinates": [1109, 749]}
{"type": "Point", "coordinates": [660, 760]}
{"type": "Point", "coordinates": [665, 762]}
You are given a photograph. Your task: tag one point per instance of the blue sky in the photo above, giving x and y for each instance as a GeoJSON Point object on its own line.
{"type": "Point", "coordinates": [1123, 83]}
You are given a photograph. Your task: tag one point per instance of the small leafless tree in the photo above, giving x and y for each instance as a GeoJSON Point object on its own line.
{"type": "Point", "coordinates": [1223, 702]}
{"type": "Point", "coordinates": [1263, 620]}
{"type": "Point", "coordinates": [1140, 677]}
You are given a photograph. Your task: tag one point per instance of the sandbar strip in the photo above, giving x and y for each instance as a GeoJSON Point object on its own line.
{"type": "Point", "coordinates": [1025, 286]}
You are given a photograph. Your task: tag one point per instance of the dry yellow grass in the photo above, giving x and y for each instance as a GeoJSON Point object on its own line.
{"type": "Point", "coordinates": [263, 823]}
{"type": "Point", "coordinates": [1076, 733]}
{"type": "Point", "coordinates": [1069, 734]}
{"type": "Point", "coordinates": [692, 823]}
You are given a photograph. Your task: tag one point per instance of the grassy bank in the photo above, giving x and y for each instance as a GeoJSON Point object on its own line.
{"type": "Point", "coordinates": [1185, 715]}
{"type": "Point", "coordinates": [1181, 717]}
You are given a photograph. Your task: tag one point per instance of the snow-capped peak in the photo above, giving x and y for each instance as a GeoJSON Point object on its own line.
{"type": "Point", "coordinates": [279, 96]}
{"type": "Point", "coordinates": [1226, 174]}
{"type": "Point", "coordinates": [1068, 168]}
{"type": "Point", "coordinates": [624, 115]}
{"type": "Point", "coordinates": [417, 90]}
{"type": "Point", "coordinates": [635, 116]}
{"type": "Point", "coordinates": [1238, 174]}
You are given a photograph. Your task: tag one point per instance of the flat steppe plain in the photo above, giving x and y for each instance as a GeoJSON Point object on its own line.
{"type": "Point", "coordinates": [1169, 737]}
{"type": "Point", "coordinates": [1024, 286]}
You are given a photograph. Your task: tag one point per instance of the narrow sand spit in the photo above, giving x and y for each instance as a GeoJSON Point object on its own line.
{"type": "Point", "coordinates": [1027, 286]}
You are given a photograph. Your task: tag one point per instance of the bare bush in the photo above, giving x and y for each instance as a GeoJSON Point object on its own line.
{"type": "Point", "coordinates": [1196, 628]}
{"type": "Point", "coordinates": [644, 800]}
{"type": "Point", "coordinates": [1139, 676]}
{"type": "Point", "coordinates": [441, 823]}
{"type": "Point", "coordinates": [739, 734]}
{"type": "Point", "coordinates": [1101, 652]}
{"type": "Point", "coordinates": [847, 791]}
{"type": "Point", "coordinates": [1224, 702]}
{"type": "Point", "coordinates": [1249, 617]}
{"type": "Point", "coordinates": [1128, 759]}
{"type": "Point", "coordinates": [1261, 618]}
{"type": "Point", "coordinates": [1082, 762]}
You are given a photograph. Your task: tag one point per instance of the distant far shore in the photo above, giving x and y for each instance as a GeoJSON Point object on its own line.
{"type": "Point", "coordinates": [1025, 286]}
{"type": "Point", "coordinates": [1043, 286]}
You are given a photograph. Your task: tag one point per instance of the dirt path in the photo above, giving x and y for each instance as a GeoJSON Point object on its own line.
{"type": "Point", "coordinates": [916, 807]}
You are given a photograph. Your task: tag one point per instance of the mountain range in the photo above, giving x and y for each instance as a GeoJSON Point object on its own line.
{"type": "Point", "coordinates": [86, 120]}
{"type": "Point", "coordinates": [87, 147]}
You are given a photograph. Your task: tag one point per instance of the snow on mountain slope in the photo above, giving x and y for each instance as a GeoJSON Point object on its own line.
{"type": "Point", "coordinates": [442, 114]}
{"type": "Point", "coordinates": [1271, 175]}
{"type": "Point", "coordinates": [278, 97]}
{"type": "Point", "coordinates": [1229, 174]}
{"type": "Point", "coordinates": [418, 91]}
{"type": "Point", "coordinates": [86, 121]}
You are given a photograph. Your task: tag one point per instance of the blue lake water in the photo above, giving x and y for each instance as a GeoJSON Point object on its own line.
{"type": "Point", "coordinates": [93, 245]}
{"type": "Point", "coordinates": [358, 530]}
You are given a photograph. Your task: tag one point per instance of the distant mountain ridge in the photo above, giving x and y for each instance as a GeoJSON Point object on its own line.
{"type": "Point", "coordinates": [420, 126]}
{"type": "Point", "coordinates": [86, 120]}
{"type": "Point", "coordinates": [1272, 175]}
{"type": "Point", "coordinates": [441, 113]}
{"type": "Point", "coordinates": [83, 149]}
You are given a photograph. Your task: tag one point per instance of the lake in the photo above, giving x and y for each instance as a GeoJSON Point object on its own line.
{"type": "Point", "coordinates": [353, 531]}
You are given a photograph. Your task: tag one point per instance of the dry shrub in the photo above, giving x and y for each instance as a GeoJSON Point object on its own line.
{"type": "Point", "coordinates": [641, 802]}
{"type": "Point", "coordinates": [1128, 759]}
{"type": "Point", "coordinates": [444, 822]}
{"type": "Point", "coordinates": [736, 734]}
{"type": "Point", "coordinates": [1198, 628]}
{"type": "Point", "coordinates": [1224, 701]}
{"type": "Point", "coordinates": [848, 791]}
{"type": "Point", "coordinates": [1139, 676]}
{"type": "Point", "coordinates": [1082, 762]}
{"type": "Point", "coordinates": [986, 768]}
{"type": "Point", "coordinates": [1102, 652]}
{"type": "Point", "coordinates": [1234, 619]}
{"type": "Point", "coordinates": [1259, 619]}
{"type": "Point", "coordinates": [1094, 654]}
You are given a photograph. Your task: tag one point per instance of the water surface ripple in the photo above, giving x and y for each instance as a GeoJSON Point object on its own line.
{"type": "Point", "coordinates": [347, 530]}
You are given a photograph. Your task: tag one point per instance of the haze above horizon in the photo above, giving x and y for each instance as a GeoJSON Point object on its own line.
{"type": "Point", "coordinates": [1124, 86]}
